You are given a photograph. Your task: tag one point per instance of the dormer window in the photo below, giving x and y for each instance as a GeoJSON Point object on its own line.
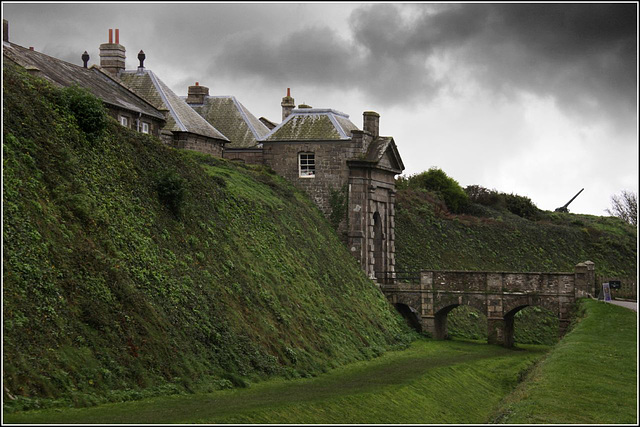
{"type": "Point", "coordinates": [124, 121]}
{"type": "Point", "coordinates": [145, 127]}
{"type": "Point", "coordinates": [307, 165]}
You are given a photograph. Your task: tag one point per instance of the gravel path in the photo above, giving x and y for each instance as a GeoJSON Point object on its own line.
{"type": "Point", "coordinates": [628, 304]}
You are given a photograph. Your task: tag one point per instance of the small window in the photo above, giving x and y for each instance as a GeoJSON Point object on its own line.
{"type": "Point", "coordinates": [124, 121]}
{"type": "Point", "coordinates": [145, 127]}
{"type": "Point", "coordinates": [307, 162]}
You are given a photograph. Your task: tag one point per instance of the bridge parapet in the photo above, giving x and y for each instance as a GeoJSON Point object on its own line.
{"type": "Point", "coordinates": [497, 294]}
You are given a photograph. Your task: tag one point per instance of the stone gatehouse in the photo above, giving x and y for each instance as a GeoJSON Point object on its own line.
{"type": "Point", "coordinates": [349, 173]}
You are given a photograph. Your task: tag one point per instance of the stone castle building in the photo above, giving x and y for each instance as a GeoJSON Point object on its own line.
{"type": "Point", "coordinates": [348, 172]}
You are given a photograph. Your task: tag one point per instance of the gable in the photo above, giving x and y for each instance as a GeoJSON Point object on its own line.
{"type": "Point", "coordinates": [389, 160]}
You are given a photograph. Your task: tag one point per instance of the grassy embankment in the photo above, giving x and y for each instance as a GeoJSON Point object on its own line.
{"type": "Point", "coordinates": [423, 384]}
{"type": "Point", "coordinates": [590, 377]}
{"type": "Point", "coordinates": [132, 269]}
{"type": "Point", "coordinates": [427, 237]}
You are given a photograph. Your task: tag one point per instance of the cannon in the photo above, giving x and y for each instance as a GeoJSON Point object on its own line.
{"type": "Point", "coordinates": [564, 208]}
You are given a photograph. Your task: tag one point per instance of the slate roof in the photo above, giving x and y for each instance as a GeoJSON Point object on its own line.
{"type": "Point", "coordinates": [62, 73]}
{"type": "Point", "coordinates": [314, 124]}
{"type": "Point", "coordinates": [181, 117]}
{"type": "Point", "coordinates": [233, 119]}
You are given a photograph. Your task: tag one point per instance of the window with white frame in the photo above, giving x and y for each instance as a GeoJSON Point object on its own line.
{"type": "Point", "coordinates": [124, 121]}
{"type": "Point", "coordinates": [307, 165]}
{"type": "Point", "coordinates": [145, 127]}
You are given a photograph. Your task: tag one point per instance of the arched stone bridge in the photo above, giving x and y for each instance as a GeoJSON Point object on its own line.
{"type": "Point", "coordinates": [498, 295]}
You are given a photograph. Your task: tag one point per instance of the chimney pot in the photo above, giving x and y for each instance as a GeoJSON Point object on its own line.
{"type": "Point", "coordinates": [197, 84]}
{"type": "Point", "coordinates": [141, 58]}
{"type": "Point", "coordinates": [110, 36]}
{"type": "Point", "coordinates": [85, 58]}
{"type": "Point", "coordinates": [5, 30]}
{"type": "Point", "coordinates": [288, 104]}
{"type": "Point", "coordinates": [117, 36]}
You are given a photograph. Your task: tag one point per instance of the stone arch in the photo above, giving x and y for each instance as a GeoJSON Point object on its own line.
{"type": "Point", "coordinates": [509, 318]}
{"type": "Point", "coordinates": [513, 305]}
{"type": "Point", "coordinates": [476, 302]}
{"type": "Point", "coordinates": [440, 322]}
{"type": "Point", "coordinates": [410, 314]}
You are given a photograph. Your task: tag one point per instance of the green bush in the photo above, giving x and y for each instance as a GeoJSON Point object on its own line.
{"type": "Point", "coordinates": [171, 191]}
{"type": "Point", "coordinates": [521, 206]}
{"type": "Point", "coordinates": [517, 205]}
{"type": "Point", "coordinates": [437, 181]}
{"type": "Point", "coordinates": [86, 108]}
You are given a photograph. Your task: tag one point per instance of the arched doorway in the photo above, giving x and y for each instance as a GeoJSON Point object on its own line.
{"type": "Point", "coordinates": [378, 253]}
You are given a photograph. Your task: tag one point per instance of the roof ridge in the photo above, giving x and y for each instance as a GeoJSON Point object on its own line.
{"type": "Point", "coordinates": [318, 111]}
{"type": "Point", "coordinates": [243, 113]}
{"type": "Point", "coordinates": [117, 80]}
{"type": "Point", "coordinates": [155, 82]}
{"type": "Point", "coordinates": [341, 132]}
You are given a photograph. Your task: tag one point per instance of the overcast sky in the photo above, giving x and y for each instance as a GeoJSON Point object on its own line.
{"type": "Point", "coordinates": [534, 99]}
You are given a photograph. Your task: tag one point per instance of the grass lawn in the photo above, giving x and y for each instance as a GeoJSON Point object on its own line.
{"type": "Point", "coordinates": [424, 384]}
{"type": "Point", "coordinates": [589, 377]}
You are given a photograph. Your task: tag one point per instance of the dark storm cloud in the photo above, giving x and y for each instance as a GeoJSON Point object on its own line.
{"type": "Point", "coordinates": [582, 54]}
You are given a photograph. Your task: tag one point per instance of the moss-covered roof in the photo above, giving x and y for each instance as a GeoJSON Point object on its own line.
{"type": "Point", "coordinates": [181, 117]}
{"type": "Point", "coordinates": [383, 153]}
{"type": "Point", "coordinates": [233, 119]}
{"type": "Point", "coordinates": [62, 73]}
{"type": "Point", "coordinates": [313, 124]}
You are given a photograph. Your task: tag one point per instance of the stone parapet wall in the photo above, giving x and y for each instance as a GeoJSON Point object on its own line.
{"type": "Point", "coordinates": [190, 141]}
{"type": "Point", "coordinates": [499, 295]}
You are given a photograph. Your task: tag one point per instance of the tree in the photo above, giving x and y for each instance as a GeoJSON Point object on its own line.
{"type": "Point", "coordinates": [625, 207]}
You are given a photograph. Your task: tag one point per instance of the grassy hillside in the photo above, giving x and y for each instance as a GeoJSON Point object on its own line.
{"type": "Point", "coordinates": [496, 240]}
{"type": "Point", "coordinates": [428, 237]}
{"type": "Point", "coordinates": [131, 269]}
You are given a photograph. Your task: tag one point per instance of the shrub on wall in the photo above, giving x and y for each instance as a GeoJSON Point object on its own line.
{"type": "Point", "coordinates": [86, 108]}
{"type": "Point", "coordinates": [338, 204]}
{"type": "Point", "coordinates": [171, 191]}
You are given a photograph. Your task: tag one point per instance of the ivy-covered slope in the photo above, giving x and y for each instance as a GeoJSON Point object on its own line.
{"type": "Point", "coordinates": [133, 268]}
{"type": "Point", "coordinates": [495, 240]}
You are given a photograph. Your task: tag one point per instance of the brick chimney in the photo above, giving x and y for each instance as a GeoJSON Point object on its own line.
{"type": "Point", "coordinates": [197, 94]}
{"type": "Point", "coordinates": [288, 104]}
{"type": "Point", "coordinates": [371, 123]}
{"type": "Point", "coordinates": [112, 55]}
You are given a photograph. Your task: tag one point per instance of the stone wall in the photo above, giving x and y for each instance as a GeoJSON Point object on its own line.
{"type": "Point", "coordinates": [331, 171]}
{"type": "Point", "coordinates": [252, 156]}
{"type": "Point", "coordinates": [190, 141]}
{"type": "Point", "coordinates": [155, 125]}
